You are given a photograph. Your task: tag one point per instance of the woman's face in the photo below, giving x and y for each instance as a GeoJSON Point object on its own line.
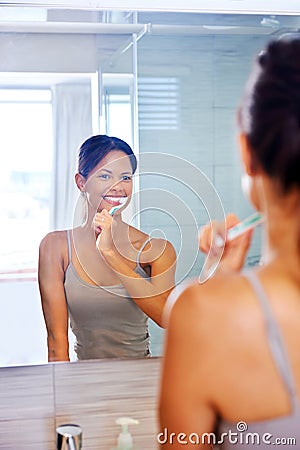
{"type": "Point", "coordinates": [109, 182]}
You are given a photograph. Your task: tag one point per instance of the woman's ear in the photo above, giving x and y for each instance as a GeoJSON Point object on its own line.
{"type": "Point", "coordinates": [80, 182]}
{"type": "Point", "coordinates": [246, 155]}
{"type": "Point", "coordinates": [251, 178]}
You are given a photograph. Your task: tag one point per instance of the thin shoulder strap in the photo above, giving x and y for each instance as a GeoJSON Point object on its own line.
{"type": "Point", "coordinates": [141, 250]}
{"type": "Point", "coordinates": [274, 336]}
{"type": "Point", "coordinates": [69, 246]}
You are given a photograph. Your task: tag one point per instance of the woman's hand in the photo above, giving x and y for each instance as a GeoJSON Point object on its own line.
{"type": "Point", "coordinates": [149, 294]}
{"type": "Point", "coordinates": [102, 224]}
{"type": "Point", "coordinates": [235, 251]}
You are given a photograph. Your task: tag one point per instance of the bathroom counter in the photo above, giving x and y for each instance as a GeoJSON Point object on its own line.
{"type": "Point", "coordinates": [93, 394]}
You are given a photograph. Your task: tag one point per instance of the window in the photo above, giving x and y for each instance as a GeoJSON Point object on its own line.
{"type": "Point", "coordinates": [117, 119]}
{"type": "Point", "coordinates": [158, 103]}
{"type": "Point", "coordinates": [117, 106]}
{"type": "Point", "coordinates": [26, 150]}
{"type": "Point", "coordinates": [118, 116]}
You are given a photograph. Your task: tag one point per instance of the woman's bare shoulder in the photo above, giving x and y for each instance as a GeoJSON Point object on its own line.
{"type": "Point", "coordinates": [222, 296]}
{"type": "Point", "coordinates": [55, 242]}
{"type": "Point", "coordinates": [161, 245]}
{"type": "Point", "coordinates": [54, 237]}
{"type": "Point", "coordinates": [137, 235]}
{"type": "Point", "coordinates": [155, 248]}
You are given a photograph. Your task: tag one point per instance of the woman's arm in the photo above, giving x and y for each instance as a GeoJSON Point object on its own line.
{"type": "Point", "coordinates": [51, 285]}
{"type": "Point", "coordinates": [149, 295]}
{"type": "Point", "coordinates": [186, 409]}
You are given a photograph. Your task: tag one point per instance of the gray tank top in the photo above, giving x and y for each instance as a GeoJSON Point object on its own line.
{"type": "Point", "coordinates": [283, 431]}
{"type": "Point", "coordinates": [105, 320]}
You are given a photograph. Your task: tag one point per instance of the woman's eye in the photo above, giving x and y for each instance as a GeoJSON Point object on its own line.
{"type": "Point", "coordinates": [126, 177]}
{"type": "Point", "coordinates": [104, 176]}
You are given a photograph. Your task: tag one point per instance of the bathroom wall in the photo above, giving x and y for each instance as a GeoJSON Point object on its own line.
{"type": "Point", "coordinates": [210, 73]}
{"type": "Point", "coordinates": [22, 329]}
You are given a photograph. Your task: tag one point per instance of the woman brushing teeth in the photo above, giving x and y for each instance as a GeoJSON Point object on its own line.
{"type": "Point", "coordinates": [105, 275]}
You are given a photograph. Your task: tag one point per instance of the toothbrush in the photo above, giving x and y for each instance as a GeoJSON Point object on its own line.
{"type": "Point", "coordinates": [114, 209]}
{"type": "Point", "coordinates": [247, 224]}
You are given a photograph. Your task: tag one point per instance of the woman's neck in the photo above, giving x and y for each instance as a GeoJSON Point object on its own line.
{"type": "Point", "coordinates": [281, 239]}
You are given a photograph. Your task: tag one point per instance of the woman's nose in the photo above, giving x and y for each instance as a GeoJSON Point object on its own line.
{"type": "Point", "coordinates": [117, 186]}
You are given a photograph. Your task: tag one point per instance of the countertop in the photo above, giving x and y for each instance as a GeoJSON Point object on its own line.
{"type": "Point", "coordinates": [93, 394]}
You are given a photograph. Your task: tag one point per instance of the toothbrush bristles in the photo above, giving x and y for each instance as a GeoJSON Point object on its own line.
{"type": "Point", "coordinates": [114, 209]}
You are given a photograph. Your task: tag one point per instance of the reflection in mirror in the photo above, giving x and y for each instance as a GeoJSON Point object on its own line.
{"type": "Point", "coordinates": [108, 277]}
{"type": "Point", "coordinates": [175, 79]}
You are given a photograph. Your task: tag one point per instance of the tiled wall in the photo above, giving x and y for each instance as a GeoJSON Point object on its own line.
{"type": "Point", "coordinates": [211, 73]}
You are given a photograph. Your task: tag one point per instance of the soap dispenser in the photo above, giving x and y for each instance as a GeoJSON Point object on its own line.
{"type": "Point", "coordinates": [125, 438]}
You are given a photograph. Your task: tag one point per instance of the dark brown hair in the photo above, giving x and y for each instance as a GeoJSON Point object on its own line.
{"type": "Point", "coordinates": [270, 111]}
{"type": "Point", "coordinates": [95, 148]}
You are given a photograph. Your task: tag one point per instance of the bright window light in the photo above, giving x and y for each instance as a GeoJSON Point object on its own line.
{"type": "Point", "coordinates": [119, 117]}
{"type": "Point", "coordinates": [26, 151]}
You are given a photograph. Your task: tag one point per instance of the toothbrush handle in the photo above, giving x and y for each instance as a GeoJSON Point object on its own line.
{"type": "Point", "coordinates": [113, 210]}
{"type": "Point", "coordinates": [245, 225]}
{"type": "Point", "coordinates": [241, 228]}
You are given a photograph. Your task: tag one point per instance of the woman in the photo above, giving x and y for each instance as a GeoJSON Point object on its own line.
{"type": "Point", "coordinates": [232, 362]}
{"type": "Point", "coordinates": [106, 276]}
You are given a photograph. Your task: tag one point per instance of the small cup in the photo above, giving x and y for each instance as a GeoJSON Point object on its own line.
{"type": "Point", "coordinates": [68, 437]}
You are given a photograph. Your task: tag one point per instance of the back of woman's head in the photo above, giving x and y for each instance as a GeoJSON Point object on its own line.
{"type": "Point", "coordinates": [95, 148]}
{"type": "Point", "coordinates": [270, 112]}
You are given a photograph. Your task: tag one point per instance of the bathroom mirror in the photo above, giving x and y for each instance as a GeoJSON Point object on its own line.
{"type": "Point", "coordinates": [166, 81]}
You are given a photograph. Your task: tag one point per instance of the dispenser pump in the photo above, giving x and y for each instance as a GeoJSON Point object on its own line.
{"type": "Point", "coordinates": [125, 438]}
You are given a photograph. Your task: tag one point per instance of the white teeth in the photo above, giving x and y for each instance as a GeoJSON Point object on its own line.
{"type": "Point", "coordinates": [116, 199]}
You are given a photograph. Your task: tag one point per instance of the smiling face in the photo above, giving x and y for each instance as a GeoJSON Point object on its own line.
{"type": "Point", "coordinates": [109, 183]}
